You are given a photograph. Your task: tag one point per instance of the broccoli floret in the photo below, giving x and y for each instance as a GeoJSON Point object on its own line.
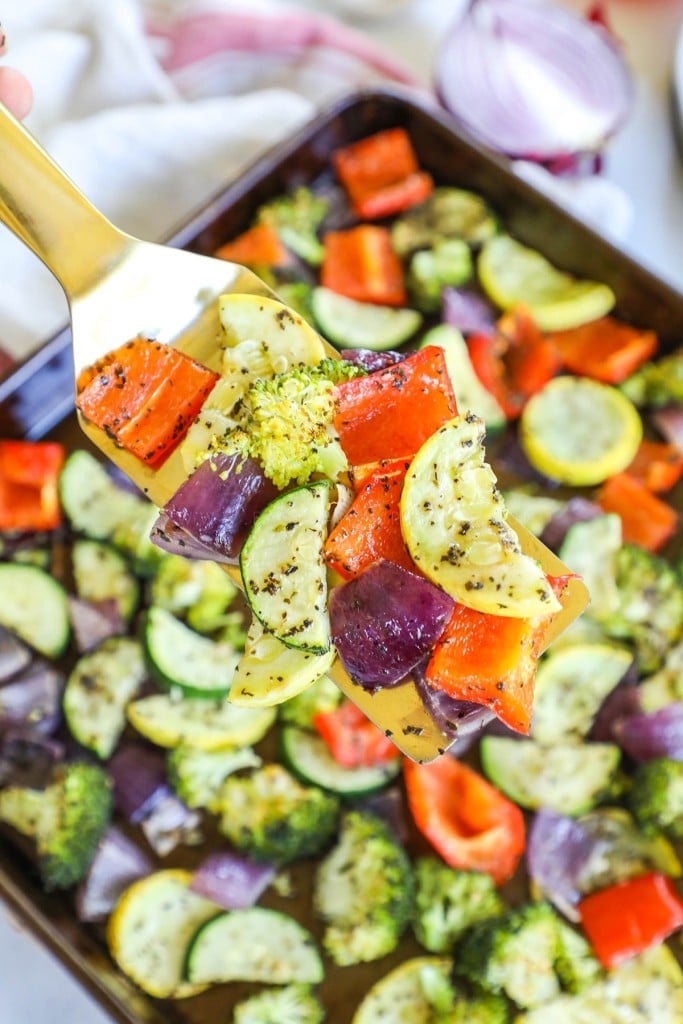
{"type": "Point", "coordinates": [322, 695]}
{"type": "Point", "coordinates": [293, 1004]}
{"type": "Point", "coordinates": [450, 1004]}
{"type": "Point", "coordinates": [197, 776]}
{"type": "Point", "coordinates": [447, 213]}
{"type": "Point", "coordinates": [285, 423]}
{"type": "Point", "coordinates": [66, 820]}
{"type": "Point", "coordinates": [525, 954]}
{"type": "Point", "coordinates": [448, 263]}
{"type": "Point", "coordinates": [272, 817]}
{"type": "Point", "coordinates": [657, 383]}
{"type": "Point", "coordinates": [656, 797]}
{"type": "Point", "coordinates": [448, 902]}
{"type": "Point", "coordinates": [650, 612]}
{"type": "Point", "coordinates": [296, 217]}
{"type": "Point", "coordinates": [363, 891]}
{"type": "Point", "coordinates": [620, 850]}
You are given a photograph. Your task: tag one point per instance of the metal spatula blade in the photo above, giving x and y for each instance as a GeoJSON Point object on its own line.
{"type": "Point", "coordinates": [119, 287]}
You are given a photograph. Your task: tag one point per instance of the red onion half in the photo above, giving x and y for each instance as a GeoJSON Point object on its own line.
{"type": "Point", "coordinates": [533, 80]}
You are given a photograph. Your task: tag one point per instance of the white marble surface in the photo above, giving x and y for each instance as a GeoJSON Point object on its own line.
{"type": "Point", "coordinates": [643, 160]}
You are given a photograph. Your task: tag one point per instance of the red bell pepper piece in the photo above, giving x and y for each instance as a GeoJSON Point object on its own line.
{"type": "Point", "coordinates": [491, 660]}
{"type": "Point", "coordinates": [260, 246]}
{"type": "Point", "coordinates": [514, 362]}
{"type": "Point", "coordinates": [381, 174]}
{"type": "Point", "coordinates": [606, 349]}
{"type": "Point", "coordinates": [627, 918]}
{"type": "Point", "coordinates": [657, 465]}
{"type": "Point", "coordinates": [361, 264]}
{"type": "Point", "coordinates": [145, 396]}
{"type": "Point", "coordinates": [646, 520]}
{"type": "Point", "coordinates": [466, 819]}
{"type": "Point", "coordinates": [353, 740]}
{"type": "Point", "coordinates": [371, 529]}
{"type": "Point", "coordinates": [390, 413]}
{"type": "Point", "coordinates": [29, 474]}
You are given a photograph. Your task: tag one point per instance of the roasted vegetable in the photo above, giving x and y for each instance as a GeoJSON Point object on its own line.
{"type": "Point", "coordinates": [270, 816]}
{"type": "Point", "coordinates": [296, 218]}
{"type": "Point", "coordinates": [656, 797]}
{"type": "Point", "coordinates": [363, 891]}
{"type": "Point", "coordinates": [197, 776]}
{"type": "Point", "coordinates": [449, 901]}
{"type": "Point", "coordinates": [66, 820]}
{"type": "Point", "coordinates": [293, 1004]}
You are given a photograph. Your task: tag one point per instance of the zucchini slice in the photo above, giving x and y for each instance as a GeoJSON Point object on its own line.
{"type": "Point", "coordinates": [199, 724]}
{"type": "Point", "coordinates": [98, 691]}
{"type": "Point", "coordinates": [590, 549]}
{"type": "Point", "coordinates": [307, 755]}
{"type": "Point", "coordinates": [255, 945]}
{"type": "Point", "coordinates": [571, 684]}
{"type": "Point", "coordinates": [181, 659]}
{"type": "Point", "coordinates": [569, 777]}
{"type": "Point", "coordinates": [102, 574]}
{"type": "Point", "coordinates": [283, 569]}
{"type": "Point", "coordinates": [351, 324]}
{"type": "Point", "coordinates": [34, 607]}
{"type": "Point", "coordinates": [454, 525]}
{"type": "Point", "coordinates": [151, 928]}
{"type": "Point", "coordinates": [400, 997]}
{"type": "Point", "coordinates": [269, 672]}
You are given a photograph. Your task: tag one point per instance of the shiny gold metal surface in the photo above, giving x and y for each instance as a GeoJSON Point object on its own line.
{"type": "Point", "coordinates": [118, 287]}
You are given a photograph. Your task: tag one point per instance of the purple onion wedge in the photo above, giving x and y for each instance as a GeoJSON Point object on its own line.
{"type": "Point", "coordinates": [28, 759]}
{"type": "Point", "coordinates": [371, 361]}
{"type": "Point", "coordinates": [218, 504]}
{"type": "Point", "coordinates": [177, 541]}
{"type": "Point", "coordinates": [171, 823]}
{"type": "Point", "coordinates": [657, 734]}
{"type": "Point", "coordinates": [118, 862]}
{"type": "Point", "coordinates": [467, 311]}
{"type": "Point", "coordinates": [33, 699]}
{"type": "Point", "coordinates": [139, 776]}
{"type": "Point", "coordinates": [385, 622]}
{"type": "Point", "coordinates": [558, 850]}
{"type": "Point", "coordinates": [230, 880]}
{"type": "Point", "coordinates": [460, 720]}
{"type": "Point", "coordinates": [94, 621]}
{"type": "Point", "coordinates": [14, 655]}
{"type": "Point", "coordinates": [576, 510]}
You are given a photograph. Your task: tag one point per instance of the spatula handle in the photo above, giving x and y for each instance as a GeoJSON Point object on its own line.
{"type": "Point", "coordinates": [43, 207]}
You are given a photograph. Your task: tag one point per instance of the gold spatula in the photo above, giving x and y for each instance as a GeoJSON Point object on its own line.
{"type": "Point", "coordinates": [118, 288]}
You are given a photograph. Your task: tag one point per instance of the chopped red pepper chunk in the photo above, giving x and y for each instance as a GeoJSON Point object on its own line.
{"type": "Point", "coordinates": [29, 474]}
{"type": "Point", "coordinates": [361, 264]}
{"type": "Point", "coordinates": [371, 528]}
{"type": "Point", "coordinates": [466, 819]}
{"type": "Point", "coordinates": [390, 413]}
{"type": "Point", "coordinates": [606, 349]}
{"type": "Point", "coordinates": [627, 918]}
{"type": "Point", "coordinates": [381, 174]}
{"type": "Point", "coordinates": [144, 395]}
{"type": "Point", "coordinates": [514, 362]}
{"type": "Point", "coordinates": [657, 465]}
{"type": "Point", "coordinates": [259, 246]}
{"type": "Point", "coordinates": [646, 520]}
{"type": "Point", "coordinates": [353, 740]}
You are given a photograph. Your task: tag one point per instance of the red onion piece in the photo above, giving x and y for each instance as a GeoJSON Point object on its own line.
{"type": "Point", "coordinates": [669, 423]}
{"type": "Point", "coordinates": [219, 502]}
{"type": "Point", "coordinates": [94, 621]}
{"type": "Point", "coordinates": [459, 720]}
{"type": "Point", "coordinates": [14, 655]}
{"type": "Point", "coordinates": [385, 621]}
{"type": "Point", "coordinates": [558, 850]}
{"type": "Point", "coordinates": [469, 312]}
{"type": "Point", "coordinates": [657, 734]}
{"type": "Point", "coordinates": [370, 360]}
{"type": "Point", "coordinates": [170, 823]}
{"type": "Point", "coordinates": [232, 881]}
{"type": "Point", "coordinates": [139, 776]}
{"type": "Point", "coordinates": [177, 541]}
{"type": "Point", "coordinates": [389, 805]}
{"type": "Point", "coordinates": [28, 759]}
{"type": "Point", "coordinates": [33, 699]}
{"type": "Point", "coordinates": [577, 510]}
{"type": "Point", "coordinates": [620, 703]}
{"type": "Point", "coordinates": [118, 862]}
{"type": "Point", "coordinates": [533, 80]}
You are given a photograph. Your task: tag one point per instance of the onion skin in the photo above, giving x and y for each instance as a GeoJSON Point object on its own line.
{"type": "Point", "coordinates": [385, 621]}
{"type": "Point", "coordinates": [534, 81]}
